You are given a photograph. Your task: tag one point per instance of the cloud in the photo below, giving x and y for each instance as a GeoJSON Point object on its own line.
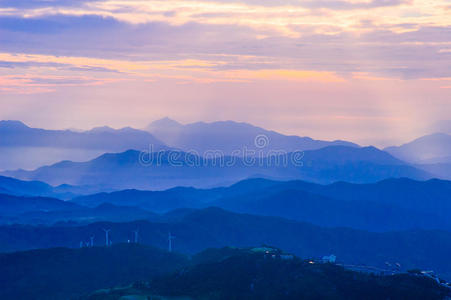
{"type": "Point", "coordinates": [358, 59]}
{"type": "Point", "coordinates": [39, 83]}
{"type": "Point", "coordinates": [377, 50]}
{"type": "Point", "coordinates": [350, 5]}
{"type": "Point", "coordinates": [41, 3]}
{"type": "Point", "coordinates": [58, 66]}
{"type": "Point", "coordinates": [330, 4]}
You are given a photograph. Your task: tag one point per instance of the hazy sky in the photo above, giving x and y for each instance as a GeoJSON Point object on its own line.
{"type": "Point", "coordinates": [371, 71]}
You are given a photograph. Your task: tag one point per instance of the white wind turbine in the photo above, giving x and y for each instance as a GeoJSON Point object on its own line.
{"type": "Point", "coordinates": [136, 232]}
{"type": "Point", "coordinates": [170, 238]}
{"type": "Point", "coordinates": [107, 240]}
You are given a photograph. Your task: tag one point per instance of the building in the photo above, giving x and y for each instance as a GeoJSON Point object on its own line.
{"type": "Point", "coordinates": [329, 259]}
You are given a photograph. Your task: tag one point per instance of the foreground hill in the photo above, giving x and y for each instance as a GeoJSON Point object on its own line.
{"type": "Point", "coordinates": [134, 169]}
{"type": "Point", "coordinates": [63, 273]}
{"type": "Point", "coordinates": [197, 230]}
{"type": "Point", "coordinates": [247, 274]}
{"type": "Point", "coordinates": [230, 136]}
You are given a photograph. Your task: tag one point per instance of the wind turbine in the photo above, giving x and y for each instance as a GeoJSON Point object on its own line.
{"type": "Point", "coordinates": [136, 235]}
{"type": "Point", "coordinates": [170, 238]}
{"type": "Point", "coordinates": [107, 231]}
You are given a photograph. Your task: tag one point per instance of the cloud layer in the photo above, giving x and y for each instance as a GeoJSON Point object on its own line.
{"type": "Point", "coordinates": [395, 52]}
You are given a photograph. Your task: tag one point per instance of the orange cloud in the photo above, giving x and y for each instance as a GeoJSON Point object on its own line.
{"type": "Point", "coordinates": [292, 75]}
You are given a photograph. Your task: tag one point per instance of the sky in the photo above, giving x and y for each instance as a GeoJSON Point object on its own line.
{"type": "Point", "coordinates": [370, 71]}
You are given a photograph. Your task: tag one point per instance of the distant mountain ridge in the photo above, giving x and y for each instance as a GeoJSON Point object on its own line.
{"type": "Point", "coordinates": [13, 205]}
{"type": "Point", "coordinates": [23, 147]}
{"type": "Point", "coordinates": [429, 149]}
{"type": "Point", "coordinates": [431, 153]}
{"type": "Point", "coordinates": [441, 170]}
{"type": "Point", "coordinates": [393, 204]}
{"type": "Point", "coordinates": [47, 210]}
{"type": "Point", "coordinates": [131, 170]}
{"type": "Point", "coordinates": [230, 136]}
{"type": "Point", "coordinates": [16, 133]}
{"type": "Point", "coordinates": [16, 187]}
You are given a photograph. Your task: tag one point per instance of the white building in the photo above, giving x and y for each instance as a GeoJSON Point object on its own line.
{"type": "Point", "coordinates": [329, 259]}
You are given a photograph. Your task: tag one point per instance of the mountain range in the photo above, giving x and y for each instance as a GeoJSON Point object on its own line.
{"type": "Point", "coordinates": [229, 137]}
{"type": "Point", "coordinates": [17, 134]}
{"type": "Point", "coordinates": [16, 187]}
{"type": "Point", "coordinates": [25, 147]}
{"type": "Point", "coordinates": [431, 153]}
{"type": "Point", "coordinates": [429, 149]}
{"type": "Point", "coordinates": [394, 204]}
{"type": "Point", "coordinates": [161, 170]}
{"type": "Point", "coordinates": [220, 184]}
{"type": "Point", "coordinates": [22, 147]}
{"type": "Point", "coordinates": [45, 210]}
{"type": "Point", "coordinates": [13, 205]}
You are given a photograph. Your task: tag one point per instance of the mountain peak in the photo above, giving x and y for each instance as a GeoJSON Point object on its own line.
{"type": "Point", "coordinates": [12, 124]}
{"type": "Point", "coordinates": [224, 124]}
{"type": "Point", "coordinates": [102, 129]}
{"type": "Point", "coordinates": [438, 135]}
{"type": "Point", "coordinates": [164, 122]}
{"type": "Point", "coordinates": [128, 129]}
{"type": "Point", "coordinates": [432, 148]}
